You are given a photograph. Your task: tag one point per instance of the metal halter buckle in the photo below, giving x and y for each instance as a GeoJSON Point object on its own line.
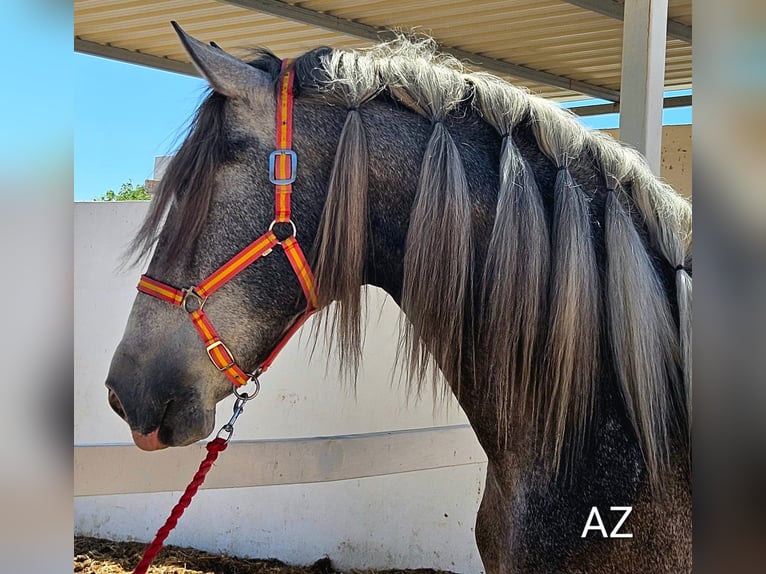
{"type": "Point", "coordinates": [273, 164]}
{"type": "Point", "coordinates": [221, 344]}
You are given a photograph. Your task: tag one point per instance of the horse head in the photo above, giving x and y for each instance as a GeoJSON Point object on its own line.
{"type": "Point", "coordinates": [216, 197]}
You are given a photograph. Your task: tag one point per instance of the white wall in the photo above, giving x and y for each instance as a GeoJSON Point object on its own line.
{"type": "Point", "coordinates": [368, 478]}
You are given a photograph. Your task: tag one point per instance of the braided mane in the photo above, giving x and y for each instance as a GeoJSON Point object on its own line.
{"type": "Point", "coordinates": [541, 293]}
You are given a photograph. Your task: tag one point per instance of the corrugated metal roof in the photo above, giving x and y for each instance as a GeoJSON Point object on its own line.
{"type": "Point", "coordinates": [558, 49]}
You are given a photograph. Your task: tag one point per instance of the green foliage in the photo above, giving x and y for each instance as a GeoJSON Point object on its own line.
{"type": "Point", "coordinates": [127, 193]}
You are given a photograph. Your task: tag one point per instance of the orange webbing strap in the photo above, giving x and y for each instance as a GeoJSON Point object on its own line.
{"type": "Point", "coordinates": [257, 249]}
{"type": "Point", "coordinates": [284, 170]}
{"type": "Point", "coordinates": [160, 290]}
{"type": "Point", "coordinates": [302, 270]}
{"type": "Point", "coordinates": [217, 351]}
{"type": "Point", "coordinates": [284, 158]}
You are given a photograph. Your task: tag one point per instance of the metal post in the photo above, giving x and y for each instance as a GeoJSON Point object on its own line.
{"type": "Point", "coordinates": [643, 77]}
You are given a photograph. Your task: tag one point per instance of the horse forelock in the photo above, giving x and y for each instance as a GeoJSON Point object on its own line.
{"type": "Point", "coordinates": [543, 301]}
{"type": "Point", "coordinates": [187, 186]}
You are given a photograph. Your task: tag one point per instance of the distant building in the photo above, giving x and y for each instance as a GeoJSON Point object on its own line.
{"type": "Point", "coordinates": [160, 165]}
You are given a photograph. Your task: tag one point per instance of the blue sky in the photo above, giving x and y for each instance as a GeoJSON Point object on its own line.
{"type": "Point", "coordinates": [125, 115]}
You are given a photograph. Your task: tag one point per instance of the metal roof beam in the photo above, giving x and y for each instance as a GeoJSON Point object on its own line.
{"type": "Point", "coordinates": [375, 34]}
{"type": "Point", "coordinates": [600, 109]}
{"type": "Point", "coordinates": [616, 10]}
{"type": "Point", "coordinates": [131, 57]}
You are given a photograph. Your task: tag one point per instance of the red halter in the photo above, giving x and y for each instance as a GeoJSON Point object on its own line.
{"type": "Point", "coordinates": [282, 170]}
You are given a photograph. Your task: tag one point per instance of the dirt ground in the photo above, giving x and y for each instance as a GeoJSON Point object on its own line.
{"type": "Point", "coordinates": [99, 556]}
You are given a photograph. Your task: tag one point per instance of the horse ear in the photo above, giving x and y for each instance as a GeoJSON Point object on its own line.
{"type": "Point", "coordinates": [225, 73]}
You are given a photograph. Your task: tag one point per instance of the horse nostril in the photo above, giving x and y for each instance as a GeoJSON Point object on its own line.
{"type": "Point", "coordinates": [116, 405]}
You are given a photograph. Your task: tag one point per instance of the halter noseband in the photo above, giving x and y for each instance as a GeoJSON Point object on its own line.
{"type": "Point", "coordinates": [282, 170]}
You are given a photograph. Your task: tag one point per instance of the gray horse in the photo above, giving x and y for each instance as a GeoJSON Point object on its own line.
{"type": "Point", "coordinates": [541, 266]}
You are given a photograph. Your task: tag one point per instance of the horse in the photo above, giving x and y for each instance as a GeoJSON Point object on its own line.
{"type": "Point", "coordinates": [542, 269]}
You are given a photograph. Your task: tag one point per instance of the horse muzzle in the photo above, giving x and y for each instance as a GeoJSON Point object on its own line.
{"type": "Point", "coordinates": [161, 421]}
{"type": "Point", "coordinates": [144, 441]}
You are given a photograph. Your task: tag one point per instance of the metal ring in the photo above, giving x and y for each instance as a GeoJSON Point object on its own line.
{"type": "Point", "coordinates": [248, 396]}
{"type": "Point", "coordinates": [192, 291]}
{"type": "Point", "coordinates": [290, 221]}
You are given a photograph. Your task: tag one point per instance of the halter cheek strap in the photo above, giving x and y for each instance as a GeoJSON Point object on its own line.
{"type": "Point", "coordinates": [283, 163]}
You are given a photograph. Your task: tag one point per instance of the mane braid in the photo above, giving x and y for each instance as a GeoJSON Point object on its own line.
{"type": "Point", "coordinates": [438, 253]}
{"type": "Point", "coordinates": [572, 352]}
{"type": "Point", "coordinates": [515, 285]}
{"type": "Point", "coordinates": [516, 271]}
{"type": "Point", "coordinates": [437, 263]}
{"type": "Point", "coordinates": [684, 297]}
{"type": "Point", "coordinates": [341, 244]}
{"type": "Point", "coordinates": [668, 218]}
{"type": "Point", "coordinates": [641, 331]}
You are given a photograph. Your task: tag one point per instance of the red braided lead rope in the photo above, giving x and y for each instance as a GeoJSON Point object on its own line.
{"type": "Point", "coordinates": [214, 447]}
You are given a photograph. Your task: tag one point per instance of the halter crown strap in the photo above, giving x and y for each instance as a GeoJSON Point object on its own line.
{"type": "Point", "coordinates": [283, 164]}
